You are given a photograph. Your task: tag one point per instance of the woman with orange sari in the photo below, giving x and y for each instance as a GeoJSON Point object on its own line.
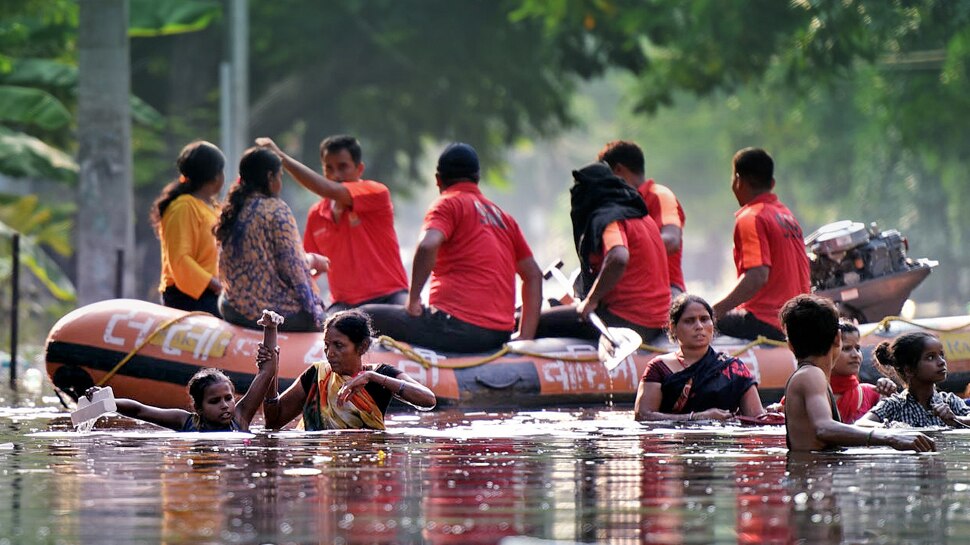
{"type": "Point", "coordinates": [343, 392]}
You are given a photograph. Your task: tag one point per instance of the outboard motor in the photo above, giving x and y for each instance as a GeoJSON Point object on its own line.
{"type": "Point", "coordinates": [864, 270]}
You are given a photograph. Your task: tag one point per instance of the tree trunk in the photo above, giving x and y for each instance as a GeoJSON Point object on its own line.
{"type": "Point", "coordinates": [105, 196]}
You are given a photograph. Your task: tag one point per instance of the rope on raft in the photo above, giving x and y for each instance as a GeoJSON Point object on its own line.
{"type": "Point", "coordinates": [165, 325]}
{"type": "Point", "coordinates": [412, 355]}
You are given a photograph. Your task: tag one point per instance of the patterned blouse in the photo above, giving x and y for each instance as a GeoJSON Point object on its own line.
{"type": "Point", "coordinates": [903, 407]}
{"type": "Point", "coordinates": [262, 264]}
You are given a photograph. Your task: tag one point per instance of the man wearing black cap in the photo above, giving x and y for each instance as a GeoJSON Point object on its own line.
{"type": "Point", "coordinates": [622, 257]}
{"type": "Point", "coordinates": [472, 251]}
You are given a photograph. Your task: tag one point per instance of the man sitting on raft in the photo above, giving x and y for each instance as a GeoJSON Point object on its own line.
{"type": "Point", "coordinates": [472, 250]}
{"type": "Point", "coordinates": [623, 260]}
{"type": "Point", "coordinates": [342, 392]}
{"type": "Point", "coordinates": [812, 420]}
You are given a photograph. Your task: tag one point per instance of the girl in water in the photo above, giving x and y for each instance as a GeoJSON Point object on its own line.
{"type": "Point", "coordinates": [213, 396]}
{"type": "Point", "coordinates": [343, 392]}
{"type": "Point", "coordinates": [918, 359]}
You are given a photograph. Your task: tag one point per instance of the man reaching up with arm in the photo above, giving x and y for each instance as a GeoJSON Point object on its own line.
{"type": "Point", "coordinates": [352, 225]}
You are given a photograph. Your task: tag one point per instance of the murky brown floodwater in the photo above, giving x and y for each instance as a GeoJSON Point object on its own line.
{"type": "Point", "coordinates": [452, 478]}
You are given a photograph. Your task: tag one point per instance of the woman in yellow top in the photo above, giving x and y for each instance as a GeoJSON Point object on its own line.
{"type": "Point", "coordinates": [184, 215]}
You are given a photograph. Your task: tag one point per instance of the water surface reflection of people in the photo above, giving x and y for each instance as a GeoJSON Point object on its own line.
{"type": "Point", "coordinates": [695, 382]}
{"type": "Point", "coordinates": [342, 392]}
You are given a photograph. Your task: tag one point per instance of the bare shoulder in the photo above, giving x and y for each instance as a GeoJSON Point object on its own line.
{"type": "Point", "coordinates": [807, 379]}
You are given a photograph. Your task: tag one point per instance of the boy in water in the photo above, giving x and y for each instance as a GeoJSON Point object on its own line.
{"type": "Point", "coordinates": [812, 420]}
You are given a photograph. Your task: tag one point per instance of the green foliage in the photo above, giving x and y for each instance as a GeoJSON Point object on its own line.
{"type": "Point", "coordinates": [166, 17]}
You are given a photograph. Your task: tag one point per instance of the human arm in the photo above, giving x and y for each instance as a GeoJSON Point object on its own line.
{"type": "Point", "coordinates": [425, 256]}
{"type": "Point", "coordinates": [953, 411]}
{"type": "Point", "coordinates": [402, 387]}
{"type": "Point", "coordinates": [318, 263]}
{"type": "Point", "coordinates": [308, 178]}
{"type": "Point", "coordinates": [751, 402]}
{"type": "Point", "coordinates": [173, 419]}
{"type": "Point", "coordinates": [265, 381]}
{"type": "Point", "coordinates": [747, 286]}
{"type": "Point", "coordinates": [811, 388]}
{"type": "Point", "coordinates": [647, 407]}
{"type": "Point", "coordinates": [528, 270]}
{"type": "Point", "coordinates": [279, 410]}
{"type": "Point", "coordinates": [672, 237]}
{"type": "Point", "coordinates": [614, 264]}
{"type": "Point", "coordinates": [886, 387]}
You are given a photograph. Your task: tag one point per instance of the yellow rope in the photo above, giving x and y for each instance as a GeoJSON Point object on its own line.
{"type": "Point", "coordinates": [884, 324]}
{"type": "Point", "coordinates": [409, 353]}
{"type": "Point", "coordinates": [104, 380]}
{"type": "Point", "coordinates": [759, 340]}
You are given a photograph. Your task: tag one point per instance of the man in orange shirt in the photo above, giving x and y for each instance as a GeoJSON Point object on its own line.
{"type": "Point", "coordinates": [623, 261]}
{"type": "Point", "coordinates": [352, 225]}
{"type": "Point", "coordinates": [472, 251]}
{"type": "Point", "coordinates": [626, 161]}
{"type": "Point", "coordinates": [769, 253]}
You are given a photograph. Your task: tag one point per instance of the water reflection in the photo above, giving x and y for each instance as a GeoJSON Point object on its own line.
{"type": "Point", "coordinates": [466, 479]}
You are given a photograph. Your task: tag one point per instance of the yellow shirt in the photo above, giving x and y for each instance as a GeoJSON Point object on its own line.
{"type": "Point", "coordinates": [190, 256]}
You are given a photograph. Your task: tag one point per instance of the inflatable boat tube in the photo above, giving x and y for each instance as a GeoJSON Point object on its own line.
{"type": "Point", "coordinates": [148, 352]}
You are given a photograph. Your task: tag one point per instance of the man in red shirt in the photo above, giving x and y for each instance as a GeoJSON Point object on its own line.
{"type": "Point", "coordinates": [769, 253]}
{"type": "Point", "coordinates": [472, 251]}
{"type": "Point", "coordinates": [626, 161]}
{"type": "Point", "coordinates": [623, 261]}
{"type": "Point", "coordinates": [352, 225]}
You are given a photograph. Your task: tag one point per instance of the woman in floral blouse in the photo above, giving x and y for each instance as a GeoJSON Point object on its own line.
{"type": "Point", "coordinates": [261, 260]}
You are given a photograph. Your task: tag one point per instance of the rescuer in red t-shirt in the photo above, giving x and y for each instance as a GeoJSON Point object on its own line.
{"type": "Point", "coordinates": [353, 226]}
{"type": "Point", "coordinates": [769, 253]}
{"type": "Point", "coordinates": [623, 261]}
{"type": "Point", "coordinates": [472, 250]}
{"type": "Point", "coordinates": [626, 161]}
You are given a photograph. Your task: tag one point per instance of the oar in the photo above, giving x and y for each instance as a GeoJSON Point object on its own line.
{"type": "Point", "coordinates": [101, 402]}
{"type": "Point", "coordinates": [616, 343]}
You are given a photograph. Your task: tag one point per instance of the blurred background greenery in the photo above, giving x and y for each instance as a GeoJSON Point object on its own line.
{"type": "Point", "coordinates": [863, 104]}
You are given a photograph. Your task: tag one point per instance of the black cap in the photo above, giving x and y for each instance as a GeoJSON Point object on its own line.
{"type": "Point", "coordinates": [458, 161]}
{"type": "Point", "coordinates": [594, 172]}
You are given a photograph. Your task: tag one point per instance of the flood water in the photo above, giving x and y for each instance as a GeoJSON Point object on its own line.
{"type": "Point", "coordinates": [591, 476]}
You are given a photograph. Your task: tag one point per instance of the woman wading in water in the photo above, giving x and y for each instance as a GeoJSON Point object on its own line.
{"type": "Point", "coordinates": [695, 382]}
{"type": "Point", "coordinates": [343, 392]}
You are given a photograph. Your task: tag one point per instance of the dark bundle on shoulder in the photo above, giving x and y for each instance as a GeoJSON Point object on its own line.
{"type": "Point", "coordinates": [598, 198]}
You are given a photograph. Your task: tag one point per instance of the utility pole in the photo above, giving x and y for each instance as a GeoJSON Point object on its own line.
{"type": "Point", "coordinates": [234, 87]}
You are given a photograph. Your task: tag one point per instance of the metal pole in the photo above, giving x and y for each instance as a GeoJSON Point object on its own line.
{"type": "Point", "coordinates": [14, 310]}
{"type": "Point", "coordinates": [120, 274]}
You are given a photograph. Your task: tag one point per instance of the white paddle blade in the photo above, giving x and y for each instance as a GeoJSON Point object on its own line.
{"type": "Point", "coordinates": [102, 402]}
{"type": "Point", "coordinates": [628, 342]}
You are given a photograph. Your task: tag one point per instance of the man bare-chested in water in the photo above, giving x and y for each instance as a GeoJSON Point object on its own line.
{"type": "Point", "coordinates": [811, 419]}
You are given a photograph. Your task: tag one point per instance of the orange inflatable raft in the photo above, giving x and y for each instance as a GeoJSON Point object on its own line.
{"type": "Point", "coordinates": [148, 352]}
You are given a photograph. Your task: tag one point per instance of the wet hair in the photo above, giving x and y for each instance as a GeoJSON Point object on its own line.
{"type": "Point", "coordinates": [333, 144]}
{"type": "Point", "coordinates": [198, 164]}
{"type": "Point", "coordinates": [846, 327]}
{"type": "Point", "coordinates": [811, 323]}
{"type": "Point", "coordinates": [254, 169]}
{"type": "Point", "coordinates": [679, 306]}
{"type": "Point", "coordinates": [903, 353]}
{"type": "Point", "coordinates": [622, 152]}
{"type": "Point", "coordinates": [355, 324]}
{"type": "Point", "coordinates": [202, 380]}
{"type": "Point", "coordinates": [755, 166]}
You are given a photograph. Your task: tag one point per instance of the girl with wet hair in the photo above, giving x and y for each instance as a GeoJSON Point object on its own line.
{"type": "Point", "coordinates": [213, 397]}
{"type": "Point", "coordinates": [695, 382]}
{"type": "Point", "coordinates": [183, 216]}
{"type": "Point", "coordinates": [917, 359]}
{"type": "Point", "coordinates": [261, 260]}
{"type": "Point", "coordinates": [343, 392]}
